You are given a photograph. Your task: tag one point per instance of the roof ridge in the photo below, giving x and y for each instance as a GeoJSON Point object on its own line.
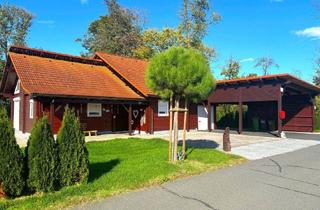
{"type": "Point", "coordinates": [123, 56]}
{"type": "Point", "coordinates": [54, 55]}
{"type": "Point", "coordinates": [271, 76]}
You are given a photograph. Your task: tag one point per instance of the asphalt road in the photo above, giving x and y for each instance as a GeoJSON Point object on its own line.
{"type": "Point", "coordinates": [287, 181]}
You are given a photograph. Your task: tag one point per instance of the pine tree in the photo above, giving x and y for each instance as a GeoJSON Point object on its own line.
{"type": "Point", "coordinates": [42, 159]}
{"type": "Point", "coordinates": [72, 151]}
{"type": "Point", "coordinates": [12, 179]}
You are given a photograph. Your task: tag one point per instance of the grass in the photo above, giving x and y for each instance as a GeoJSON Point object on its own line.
{"type": "Point", "coordinates": [121, 165]}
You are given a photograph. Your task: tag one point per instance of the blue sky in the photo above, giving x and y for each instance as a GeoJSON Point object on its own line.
{"type": "Point", "coordinates": [287, 30]}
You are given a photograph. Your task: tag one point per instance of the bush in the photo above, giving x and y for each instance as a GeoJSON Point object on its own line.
{"type": "Point", "coordinates": [41, 157]}
{"type": "Point", "coordinates": [72, 151]}
{"type": "Point", "coordinates": [11, 159]}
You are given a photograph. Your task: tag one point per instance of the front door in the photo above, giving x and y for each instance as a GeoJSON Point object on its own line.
{"type": "Point", "coordinates": [16, 113]}
{"type": "Point", "coordinates": [202, 118]}
{"type": "Point", "coordinates": [120, 118]}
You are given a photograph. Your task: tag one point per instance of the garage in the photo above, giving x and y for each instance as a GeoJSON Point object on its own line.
{"type": "Point", "coordinates": [279, 103]}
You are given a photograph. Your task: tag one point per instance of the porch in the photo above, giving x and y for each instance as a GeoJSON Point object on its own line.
{"type": "Point", "coordinates": [102, 116]}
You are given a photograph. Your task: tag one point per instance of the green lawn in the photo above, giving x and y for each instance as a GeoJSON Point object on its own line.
{"type": "Point", "coordinates": [124, 164]}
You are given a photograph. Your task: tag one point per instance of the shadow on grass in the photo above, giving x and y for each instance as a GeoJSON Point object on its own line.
{"type": "Point", "coordinates": [200, 144]}
{"type": "Point", "coordinates": [99, 169]}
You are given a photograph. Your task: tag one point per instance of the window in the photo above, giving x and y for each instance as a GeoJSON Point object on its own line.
{"type": "Point", "coordinates": [94, 110]}
{"type": "Point", "coordinates": [163, 108]}
{"type": "Point", "coordinates": [17, 90]}
{"type": "Point", "coordinates": [31, 108]}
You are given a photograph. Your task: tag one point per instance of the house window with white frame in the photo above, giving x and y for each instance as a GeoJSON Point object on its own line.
{"type": "Point", "coordinates": [31, 108]}
{"type": "Point", "coordinates": [17, 89]}
{"type": "Point", "coordinates": [94, 110]}
{"type": "Point", "coordinates": [163, 108]}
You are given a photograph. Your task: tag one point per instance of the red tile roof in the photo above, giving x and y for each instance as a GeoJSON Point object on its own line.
{"type": "Point", "coordinates": [288, 77]}
{"type": "Point", "coordinates": [49, 76]}
{"type": "Point", "coordinates": [132, 70]}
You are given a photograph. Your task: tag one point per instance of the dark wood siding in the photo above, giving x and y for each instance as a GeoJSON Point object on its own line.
{"type": "Point", "coordinates": [162, 123]}
{"type": "Point", "coordinates": [103, 123]}
{"type": "Point", "coordinates": [299, 113]}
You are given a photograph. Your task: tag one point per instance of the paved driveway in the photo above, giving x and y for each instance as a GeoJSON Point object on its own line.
{"type": "Point", "coordinates": [288, 181]}
{"type": "Point", "coordinates": [303, 136]}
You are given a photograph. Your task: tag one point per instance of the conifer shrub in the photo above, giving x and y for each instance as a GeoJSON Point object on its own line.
{"type": "Point", "coordinates": [12, 180]}
{"type": "Point", "coordinates": [41, 157]}
{"type": "Point", "coordinates": [72, 151]}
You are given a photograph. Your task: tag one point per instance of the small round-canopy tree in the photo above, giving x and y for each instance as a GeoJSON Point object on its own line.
{"type": "Point", "coordinates": [42, 158]}
{"type": "Point", "coordinates": [180, 74]}
{"type": "Point", "coordinates": [72, 151]}
{"type": "Point", "coordinates": [11, 160]}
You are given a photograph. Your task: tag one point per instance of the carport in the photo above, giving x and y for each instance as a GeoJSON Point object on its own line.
{"type": "Point", "coordinates": [286, 102]}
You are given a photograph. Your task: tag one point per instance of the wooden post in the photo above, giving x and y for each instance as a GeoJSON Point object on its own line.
{"type": "Point", "coordinates": [240, 110]}
{"type": "Point", "coordinates": [184, 127]}
{"type": "Point", "coordinates": [313, 103]}
{"type": "Point", "coordinates": [279, 110]}
{"type": "Point", "coordinates": [209, 116]}
{"type": "Point", "coordinates": [11, 108]}
{"type": "Point", "coordinates": [176, 131]}
{"type": "Point", "coordinates": [215, 126]}
{"type": "Point", "coordinates": [52, 115]}
{"type": "Point", "coordinates": [170, 130]}
{"type": "Point", "coordinates": [130, 120]}
{"type": "Point", "coordinates": [23, 104]}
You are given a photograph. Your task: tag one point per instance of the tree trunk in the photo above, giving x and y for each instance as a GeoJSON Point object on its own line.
{"type": "Point", "coordinates": [170, 134]}
{"type": "Point", "coordinates": [184, 128]}
{"type": "Point", "coordinates": [176, 130]}
{"type": "Point", "coordinates": [2, 193]}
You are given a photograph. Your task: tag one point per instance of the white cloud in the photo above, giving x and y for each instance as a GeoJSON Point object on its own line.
{"type": "Point", "coordinates": [246, 60]}
{"type": "Point", "coordinates": [46, 22]}
{"type": "Point", "coordinates": [312, 32]}
{"type": "Point", "coordinates": [276, 1]}
{"type": "Point", "coordinates": [84, 1]}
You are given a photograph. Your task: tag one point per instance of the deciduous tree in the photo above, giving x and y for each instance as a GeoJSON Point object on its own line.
{"type": "Point", "coordinates": [180, 74]}
{"type": "Point", "coordinates": [14, 26]}
{"type": "Point", "coordinates": [154, 42]}
{"type": "Point", "coordinates": [316, 77]}
{"type": "Point", "coordinates": [231, 70]}
{"type": "Point", "coordinates": [265, 63]}
{"type": "Point", "coordinates": [118, 32]}
{"type": "Point", "coordinates": [196, 17]}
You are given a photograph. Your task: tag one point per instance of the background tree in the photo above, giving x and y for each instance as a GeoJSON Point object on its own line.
{"type": "Point", "coordinates": [180, 74]}
{"type": "Point", "coordinates": [12, 179]}
{"type": "Point", "coordinates": [265, 63]}
{"type": "Point", "coordinates": [118, 32]}
{"type": "Point", "coordinates": [72, 152]}
{"type": "Point", "coordinates": [251, 75]}
{"type": "Point", "coordinates": [14, 27]}
{"type": "Point", "coordinates": [316, 77]}
{"type": "Point", "coordinates": [231, 70]}
{"type": "Point", "coordinates": [297, 73]}
{"type": "Point", "coordinates": [196, 17]}
{"type": "Point", "coordinates": [42, 157]}
{"type": "Point", "coordinates": [154, 42]}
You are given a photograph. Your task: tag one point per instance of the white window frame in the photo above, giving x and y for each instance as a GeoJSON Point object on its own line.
{"type": "Point", "coordinates": [31, 108]}
{"type": "Point", "coordinates": [90, 111]}
{"type": "Point", "coordinates": [163, 108]}
{"type": "Point", "coordinates": [17, 89]}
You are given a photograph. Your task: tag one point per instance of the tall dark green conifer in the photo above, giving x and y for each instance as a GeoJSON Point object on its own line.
{"type": "Point", "coordinates": [73, 154]}
{"type": "Point", "coordinates": [11, 159]}
{"type": "Point", "coordinates": [42, 159]}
